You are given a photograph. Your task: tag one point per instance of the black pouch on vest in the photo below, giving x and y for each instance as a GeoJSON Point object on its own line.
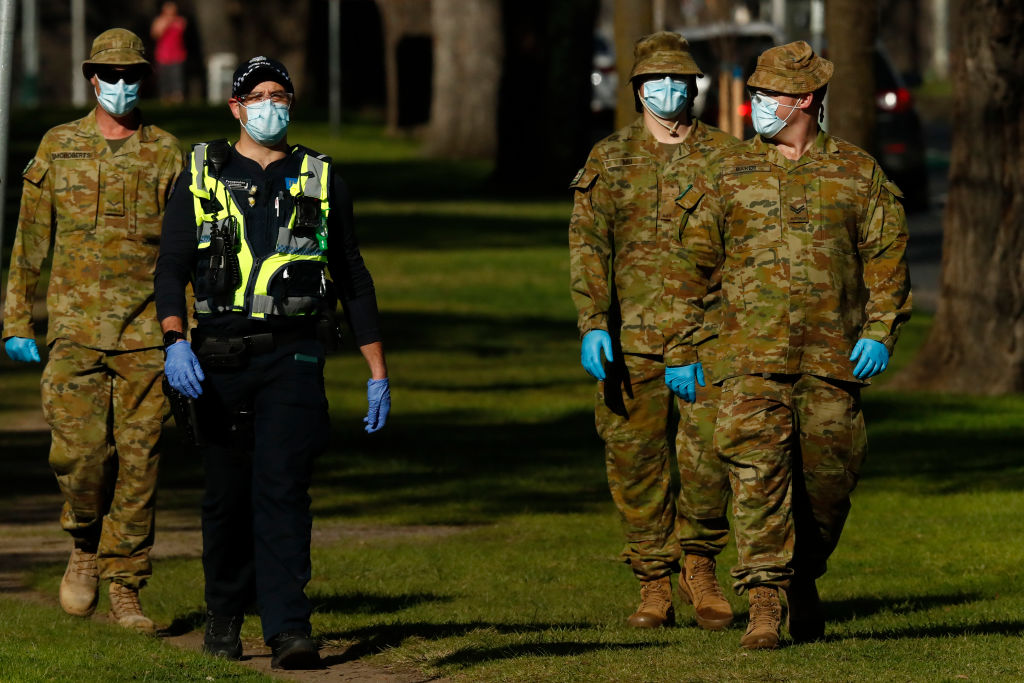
{"type": "Point", "coordinates": [307, 216]}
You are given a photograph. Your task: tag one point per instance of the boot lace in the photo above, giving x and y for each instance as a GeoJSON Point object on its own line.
{"type": "Point", "coordinates": [125, 600]}
{"type": "Point", "coordinates": [223, 628]}
{"type": "Point", "coordinates": [765, 610]}
{"type": "Point", "coordinates": [702, 581]}
{"type": "Point", "coordinates": [655, 596]}
{"type": "Point", "coordinates": [84, 563]}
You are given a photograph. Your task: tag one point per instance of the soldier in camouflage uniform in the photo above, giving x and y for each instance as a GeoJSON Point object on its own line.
{"type": "Point", "coordinates": [98, 185]}
{"type": "Point", "coordinates": [809, 240]}
{"type": "Point", "coordinates": [623, 219]}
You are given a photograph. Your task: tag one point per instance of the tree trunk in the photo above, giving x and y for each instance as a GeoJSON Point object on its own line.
{"type": "Point", "coordinates": [852, 28]}
{"type": "Point", "coordinates": [467, 70]}
{"type": "Point", "coordinates": [976, 344]}
{"type": "Point", "coordinates": [544, 115]}
{"type": "Point", "coordinates": [633, 20]}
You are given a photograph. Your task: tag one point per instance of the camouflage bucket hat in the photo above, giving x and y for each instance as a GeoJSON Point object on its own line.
{"type": "Point", "coordinates": [663, 52]}
{"type": "Point", "coordinates": [117, 46]}
{"type": "Point", "coordinates": [793, 69]}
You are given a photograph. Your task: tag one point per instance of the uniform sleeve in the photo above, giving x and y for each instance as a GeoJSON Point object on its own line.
{"type": "Point", "coordinates": [590, 248]}
{"type": "Point", "coordinates": [31, 244]}
{"type": "Point", "coordinates": [883, 251]}
{"type": "Point", "coordinates": [348, 271]}
{"type": "Point", "coordinates": [178, 247]}
{"type": "Point", "coordinates": [692, 278]}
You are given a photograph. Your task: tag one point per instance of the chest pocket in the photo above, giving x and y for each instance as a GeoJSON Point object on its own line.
{"type": "Point", "coordinates": [75, 190]}
{"type": "Point", "coordinates": [633, 184]}
{"type": "Point", "coordinates": [839, 209]}
{"type": "Point", "coordinates": [753, 215]}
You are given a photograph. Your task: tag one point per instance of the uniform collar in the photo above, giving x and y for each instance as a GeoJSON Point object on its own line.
{"type": "Point", "coordinates": [638, 132]}
{"type": "Point", "coordinates": [824, 145]}
{"type": "Point", "coordinates": [88, 128]}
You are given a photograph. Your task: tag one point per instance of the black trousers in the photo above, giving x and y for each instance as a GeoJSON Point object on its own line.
{"type": "Point", "coordinates": [262, 426]}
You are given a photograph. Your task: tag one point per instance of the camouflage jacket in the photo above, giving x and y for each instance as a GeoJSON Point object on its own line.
{"type": "Point", "coordinates": [812, 257]}
{"type": "Point", "coordinates": [624, 218]}
{"type": "Point", "coordinates": [102, 211]}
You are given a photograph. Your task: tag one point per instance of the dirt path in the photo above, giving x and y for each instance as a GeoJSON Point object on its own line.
{"type": "Point", "coordinates": [30, 535]}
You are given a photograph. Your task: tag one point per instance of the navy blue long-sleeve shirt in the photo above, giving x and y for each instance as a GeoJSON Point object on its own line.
{"type": "Point", "coordinates": [179, 246]}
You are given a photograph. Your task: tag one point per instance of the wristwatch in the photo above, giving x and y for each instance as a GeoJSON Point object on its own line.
{"type": "Point", "coordinates": [172, 336]}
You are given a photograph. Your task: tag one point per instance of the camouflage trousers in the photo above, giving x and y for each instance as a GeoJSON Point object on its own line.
{"type": "Point", "coordinates": [634, 417]}
{"type": "Point", "coordinates": [794, 445]}
{"type": "Point", "coordinates": [106, 410]}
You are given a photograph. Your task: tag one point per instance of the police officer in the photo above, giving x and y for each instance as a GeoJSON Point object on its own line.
{"type": "Point", "coordinates": [809, 239]}
{"type": "Point", "coordinates": [99, 186]}
{"type": "Point", "coordinates": [264, 232]}
{"type": "Point", "coordinates": [623, 216]}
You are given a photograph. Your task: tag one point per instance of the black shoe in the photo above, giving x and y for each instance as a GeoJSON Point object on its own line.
{"type": "Point", "coordinates": [294, 650]}
{"type": "Point", "coordinates": [806, 619]}
{"type": "Point", "coordinates": [221, 639]}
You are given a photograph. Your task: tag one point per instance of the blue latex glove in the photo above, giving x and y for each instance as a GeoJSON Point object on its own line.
{"type": "Point", "coordinates": [22, 349]}
{"type": "Point", "coordinates": [594, 344]}
{"type": "Point", "coordinates": [378, 398]}
{"type": "Point", "coordinates": [683, 380]}
{"type": "Point", "coordinates": [182, 369]}
{"type": "Point", "coordinates": [872, 358]}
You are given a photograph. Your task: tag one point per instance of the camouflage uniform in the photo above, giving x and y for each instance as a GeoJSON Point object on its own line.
{"type": "Point", "coordinates": [811, 255]}
{"type": "Point", "coordinates": [101, 386]}
{"type": "Point", "coordinates": [623, 217]}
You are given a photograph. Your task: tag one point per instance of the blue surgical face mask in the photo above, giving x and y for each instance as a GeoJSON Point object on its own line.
{"type": "Point", "coordinates": [665, 97]}
{"type": "Point", "coordinates": [118, 98]}
{"type": "Point", "coordinates": [267, 121]}
{"type": "Point", "coordinates": [763, 114]}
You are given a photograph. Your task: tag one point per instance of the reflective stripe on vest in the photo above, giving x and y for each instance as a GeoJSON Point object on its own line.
{"type": "Point", "coordinates": [251, 296]}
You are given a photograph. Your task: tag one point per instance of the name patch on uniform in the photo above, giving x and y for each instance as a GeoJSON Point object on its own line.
{"type": "Point", "coordinates": [746, 169]}
{"type": "Point", "coordinates": [233, 184]}
{"type": "Point", "coordinates": [627, 161]}
{"type": "Point", "coordinates": [70, 155]}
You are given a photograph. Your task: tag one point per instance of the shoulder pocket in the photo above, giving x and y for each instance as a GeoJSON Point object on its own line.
{"type": "Point", "coordinates": [35, 171]}
{"type": "Point", "coordinates": [689, 198]}
{"type": "Point", "coordinates": [891, 186]}
{"type": "Point", "coordinates": [584, 179]}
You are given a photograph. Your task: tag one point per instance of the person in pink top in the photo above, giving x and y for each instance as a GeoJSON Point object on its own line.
{"type": "Point", "coordinates": [168, 30]}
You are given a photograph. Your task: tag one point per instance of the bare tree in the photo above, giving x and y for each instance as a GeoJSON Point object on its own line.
{"type": "Point", "coordinates": [467, 71]}
{"type": "Point", "coordinates": [976, 344]}
{"type": "Point", "coordinates": [852, 28]}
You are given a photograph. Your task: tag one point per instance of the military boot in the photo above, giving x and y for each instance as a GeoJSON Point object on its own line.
{"type": "Point", "coordinates": [655, 604]}
{"type": "Point", "coordinates": [126, 610]}
{"type": "Point", "coordinates": [765, 618]}
{"type": "Point", "coordinates": [700, 587]}
{"type": "Point", "coordinates": [80, 587]}
{"type": "Point", "coordinates": [805, 619]}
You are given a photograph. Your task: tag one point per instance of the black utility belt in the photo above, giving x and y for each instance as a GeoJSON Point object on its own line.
{"type": "Point", "coordinates": [233, 352]}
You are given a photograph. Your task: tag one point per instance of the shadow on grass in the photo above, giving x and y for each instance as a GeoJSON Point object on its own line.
{"type": "Point", "coordinates": [858, 608]}
{"type": "Point", "coordinates": [989, 628]}
{"type": "Point", "coordinates": [482, 336]}
{"type": "Point", "coordinates": [477, 655]}
{"type": "Point", "coordinates": [945, 444]}
{"type": "Point", "coordinates": [377, 638]}
{"type": "Point", "coordinates": [436, 231]}
{"type": "Point", "coordinates": [185, 623]}
{"type": "Point", "coordinates": [368, 603]}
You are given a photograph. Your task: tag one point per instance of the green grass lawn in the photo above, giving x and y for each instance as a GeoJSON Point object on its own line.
{"type": "Point", "coordinates": [474, 538]}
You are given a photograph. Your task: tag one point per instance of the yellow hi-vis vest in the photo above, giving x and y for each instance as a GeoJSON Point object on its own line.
{"type": "Point", "coordinates": [258, 274]}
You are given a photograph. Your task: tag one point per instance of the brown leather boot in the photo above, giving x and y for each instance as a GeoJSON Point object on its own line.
{"type": "Point", "coordinates": [700, 587]}
{"type": "Point", "coordinates": [126, 610]}
{"type": "Point", "coordinates": [805, 619]}
{"type": "Point", "coordinates": [765, 618]}
{"type": "Point", "coordinates": [80, 587]}
{"type": "Point", "coordinates": [655, 604]}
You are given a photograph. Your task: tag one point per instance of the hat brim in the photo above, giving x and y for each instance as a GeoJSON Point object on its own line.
{"type": "Point", "coordinates": [792, 82]}
{"type": "Point", "coordinates": [666, 63]}
{"type": "Point", "coordinates": [115, 57]}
